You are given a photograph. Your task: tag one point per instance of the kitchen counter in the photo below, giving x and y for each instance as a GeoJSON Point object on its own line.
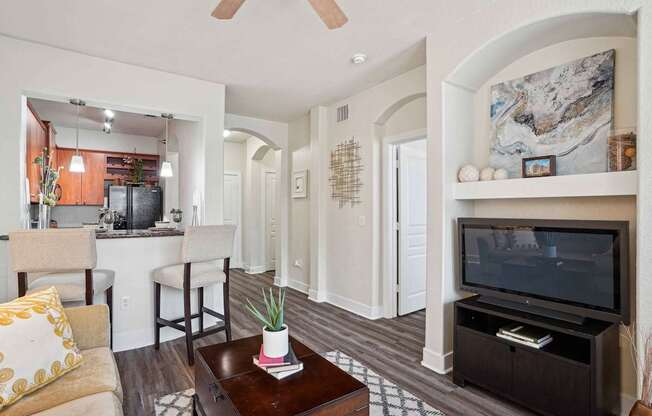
{"type": "Point", "coordinates": [127, 234]}
{"type": "Point", "coordinates": [133, 256]}
{"type": "Point", "coordinates": [137, 234]}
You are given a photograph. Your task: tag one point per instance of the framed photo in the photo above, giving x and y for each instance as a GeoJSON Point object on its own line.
{"type": "Point", "coordinates": [535, 167]}
{"type": "Point", "coordinates": [300, 184]}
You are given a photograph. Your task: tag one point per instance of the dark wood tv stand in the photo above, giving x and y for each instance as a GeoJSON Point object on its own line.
{"type": "Point", "coordinates": [577, 374]}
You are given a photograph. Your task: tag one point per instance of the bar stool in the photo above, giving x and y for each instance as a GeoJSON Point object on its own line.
{"type": "Point", "coordinates": [64, 259]}
{"type": "Point", "coordinates": [202, 248]}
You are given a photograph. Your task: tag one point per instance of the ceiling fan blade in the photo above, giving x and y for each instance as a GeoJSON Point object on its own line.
{"type": "Point", "coordinates": [226, 9]}
{"type": "Point", "coordinates": [329, 12]}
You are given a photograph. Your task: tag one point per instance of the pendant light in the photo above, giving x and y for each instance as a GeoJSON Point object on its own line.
{"type": "Point", "coordinates": [166, 167]}
{"type": "Point", "coordinates": [77, 162]}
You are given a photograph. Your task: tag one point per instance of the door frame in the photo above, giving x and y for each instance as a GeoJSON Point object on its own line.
{"type": "Point", "coordinates": [265, 172]}
{"type": "Point", "coordinates": [238, 231]}
{"type": "Point", "coordinates": [389, 211]}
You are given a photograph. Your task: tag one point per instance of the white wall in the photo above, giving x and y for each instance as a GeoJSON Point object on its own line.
{"type": "Point", "coordinates": [114, 142]}
{"type": "Point", "coordinates": [412, 116]}
{"type": "Point", "coordinates": [234, 157]}
{"type": "Point", "coordinates": [351, 235]}
{"type": "Point", "coordinates": [122, 87]}
{"type": "Point", "coordinates": [299, 255]}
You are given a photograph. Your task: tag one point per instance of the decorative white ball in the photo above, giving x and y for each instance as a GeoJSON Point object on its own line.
{"type": "Point", "coordinates": [487, 174]}
{"type": "Point", "coordinates": [501, 174]}
{"type": "Point", "coordinates": [468, 173]}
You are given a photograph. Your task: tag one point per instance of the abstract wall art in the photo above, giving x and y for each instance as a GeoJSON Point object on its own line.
{"type": "Point", "coordinates": [345, 166]}
{"type": "Point", "coordinates": [565, 111]}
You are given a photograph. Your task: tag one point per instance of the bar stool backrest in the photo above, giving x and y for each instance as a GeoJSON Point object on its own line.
{"type": "Point", "coordinates": [53, 250]}
{"type": "Point", "coordinates": [207, 243]}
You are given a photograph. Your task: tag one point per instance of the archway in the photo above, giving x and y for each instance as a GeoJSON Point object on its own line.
{"type": "Point", "coordinates": [455, 105]}
{"type": "Point", "coordinates": [259, 150]}
{"type": "Point", "coordinates": [387, 278]}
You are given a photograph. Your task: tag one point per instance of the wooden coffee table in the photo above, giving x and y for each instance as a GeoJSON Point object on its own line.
{"type": "Point", "coordinates": [228, 383]}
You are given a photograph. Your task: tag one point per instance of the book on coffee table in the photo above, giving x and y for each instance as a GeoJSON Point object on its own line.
{"type": "Point", "coordinates": [287, 365]}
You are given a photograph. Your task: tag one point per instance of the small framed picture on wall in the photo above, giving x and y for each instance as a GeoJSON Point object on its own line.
{"type": "Point", "coordinates": [300, 184]}
{"type": "Point", "coordinates": [535, 167]}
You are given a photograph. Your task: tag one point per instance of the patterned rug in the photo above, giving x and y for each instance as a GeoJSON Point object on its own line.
{"type": "Point", "coordinates": [385, 397]}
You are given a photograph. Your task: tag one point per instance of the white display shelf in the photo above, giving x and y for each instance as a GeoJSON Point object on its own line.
{"type": "Point", "coordinates": [594, 184]}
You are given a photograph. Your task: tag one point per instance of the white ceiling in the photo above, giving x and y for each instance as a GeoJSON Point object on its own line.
{"type": "Point", "coordinates": [276, 56]}
{"type": "Point", "coordinates": [92, 118]}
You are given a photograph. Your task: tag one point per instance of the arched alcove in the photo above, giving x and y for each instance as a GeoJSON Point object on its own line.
{"type": "Point", "coordinates": [458, 90]}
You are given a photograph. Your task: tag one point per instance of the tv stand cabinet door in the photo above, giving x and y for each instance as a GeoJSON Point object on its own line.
{"type": "Point", "coordinates": [482, 361]}
{"type": "Point", "coordinates": [552, 386]}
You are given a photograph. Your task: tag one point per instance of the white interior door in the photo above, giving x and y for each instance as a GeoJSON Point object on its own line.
{"type": "Point", "coordinates": [233, 212]}
{"type": "Point", "coordinates": [412, 205]}
{"type": "Point", "coordinates": [270, 219]}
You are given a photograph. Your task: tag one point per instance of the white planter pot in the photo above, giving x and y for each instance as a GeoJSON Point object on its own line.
{"type": "Point", "coordinates": [275, 344]}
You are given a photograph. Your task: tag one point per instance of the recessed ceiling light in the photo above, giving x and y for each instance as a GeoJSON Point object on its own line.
{"type": "Point", "coordinates": [227, 133]}
{"type": "Point", "coordinates": [359, 58]}
{"type": "Point", "coordinates": [109, 114]}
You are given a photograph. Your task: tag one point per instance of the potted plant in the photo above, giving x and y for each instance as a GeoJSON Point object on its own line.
{"type": "Point", "coordinates": [275, 332]}
{"type": "Point", "coordinates": [643, 366]}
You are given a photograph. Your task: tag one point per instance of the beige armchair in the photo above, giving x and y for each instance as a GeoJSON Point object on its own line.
{"type": "Point", "coordinates": [92, 389]}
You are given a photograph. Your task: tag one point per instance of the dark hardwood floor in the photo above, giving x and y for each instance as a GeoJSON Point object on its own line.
{"type": "Point", "coordinates": [391, 347]}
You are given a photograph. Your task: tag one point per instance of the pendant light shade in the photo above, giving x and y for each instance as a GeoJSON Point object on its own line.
{"type": "Point", "coordinates": [166, 167]}
{"type": "Point", "coordinates": [166, 170]}
{"type": "Point", "coordinates": [77, 162]}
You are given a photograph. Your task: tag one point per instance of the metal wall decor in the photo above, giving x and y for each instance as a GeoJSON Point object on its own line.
{"type": "Point", "coordinates": [346, 166]}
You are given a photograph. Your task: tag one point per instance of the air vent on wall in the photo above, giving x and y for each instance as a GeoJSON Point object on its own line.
{"type": "Point", "coordinates": [342, 113]}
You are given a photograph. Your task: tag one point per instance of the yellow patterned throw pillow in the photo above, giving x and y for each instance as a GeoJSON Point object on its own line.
{"type": "Point", "coordinates": [36, 345]}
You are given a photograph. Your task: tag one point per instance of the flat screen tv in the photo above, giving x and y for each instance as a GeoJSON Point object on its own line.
{"type": "Point", "coordinates": [576, 268]}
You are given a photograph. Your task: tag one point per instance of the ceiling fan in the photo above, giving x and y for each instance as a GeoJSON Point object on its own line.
{"type": "Point", "coordinates": [327, 10]}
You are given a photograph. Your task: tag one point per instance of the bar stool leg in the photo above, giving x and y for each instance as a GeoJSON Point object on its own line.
{"type": "Point", "coordinates": [157, 314]}
{"type": "Point", "coordinates": [187, 313]}
{"type": "Point", "coordinates": [22, 284]}
{"type": "Point", "coordinates": [200, 302]}
{"type": "Point", "coordinates": [225, 293]}
{"type": "Point", "coordinates": [89, 286]}
{"type": "Point", "coordinates": [109, 303]}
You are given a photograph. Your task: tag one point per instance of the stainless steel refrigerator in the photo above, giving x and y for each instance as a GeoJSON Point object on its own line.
{"type": "Point", "coordinates": [138, 207]}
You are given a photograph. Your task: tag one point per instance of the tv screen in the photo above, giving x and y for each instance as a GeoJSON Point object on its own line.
{"type": "Point", "coordinates": [573, 263]}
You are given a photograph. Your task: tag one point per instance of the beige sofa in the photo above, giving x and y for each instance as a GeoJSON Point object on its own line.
{"type": "Point", "coordinates": [92, 389]}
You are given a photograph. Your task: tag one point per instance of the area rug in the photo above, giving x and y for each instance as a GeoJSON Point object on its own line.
{"type": "Point", "coordinates": [385, 397]}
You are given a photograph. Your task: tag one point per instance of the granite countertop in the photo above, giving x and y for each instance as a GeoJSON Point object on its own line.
{"type": "Point", "coordinates": [137, 234]}
{"type": "Point", "coordinates": [128, 234]}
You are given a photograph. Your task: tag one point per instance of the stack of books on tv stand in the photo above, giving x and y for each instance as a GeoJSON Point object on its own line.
{"type": "Point", "coordinates": [525, 335]}
{"type": "Point", "coordinates": [280, 367]}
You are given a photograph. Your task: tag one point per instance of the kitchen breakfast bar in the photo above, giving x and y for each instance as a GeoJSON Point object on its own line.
{"type": "Point", "coordinates": [133, 255]}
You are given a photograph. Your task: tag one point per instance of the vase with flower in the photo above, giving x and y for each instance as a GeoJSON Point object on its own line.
{"type": "Point", "coordinates": [49, 189]}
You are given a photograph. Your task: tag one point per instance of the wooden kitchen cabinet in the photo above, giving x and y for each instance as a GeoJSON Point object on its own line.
{"type": "Point", "coordinates": [71, 183]}
{"type": "Point", "coordinates": [37, 139]}
{"type": "Point", "coordinates": [93, 179]}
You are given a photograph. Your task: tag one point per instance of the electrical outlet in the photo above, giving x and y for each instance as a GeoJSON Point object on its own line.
{"type": "Point", "coordinates": [124, 302]}
{"type": "Point", "coordinates": [362, 220]}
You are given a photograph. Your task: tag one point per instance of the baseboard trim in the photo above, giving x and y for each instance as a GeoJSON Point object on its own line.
{"type": "Point", "coordinates": [299, 285]}
{"type": "Point", "coordinates": [316, 296]}
{"type": "Point", "coordinates": [626, 403]}
{"type": "Point", "coordinates": [439, 363]}
{"type": "Point", "coordinates": [255, 269]}
{"type": "Point", "coordinates": [138, 338]}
